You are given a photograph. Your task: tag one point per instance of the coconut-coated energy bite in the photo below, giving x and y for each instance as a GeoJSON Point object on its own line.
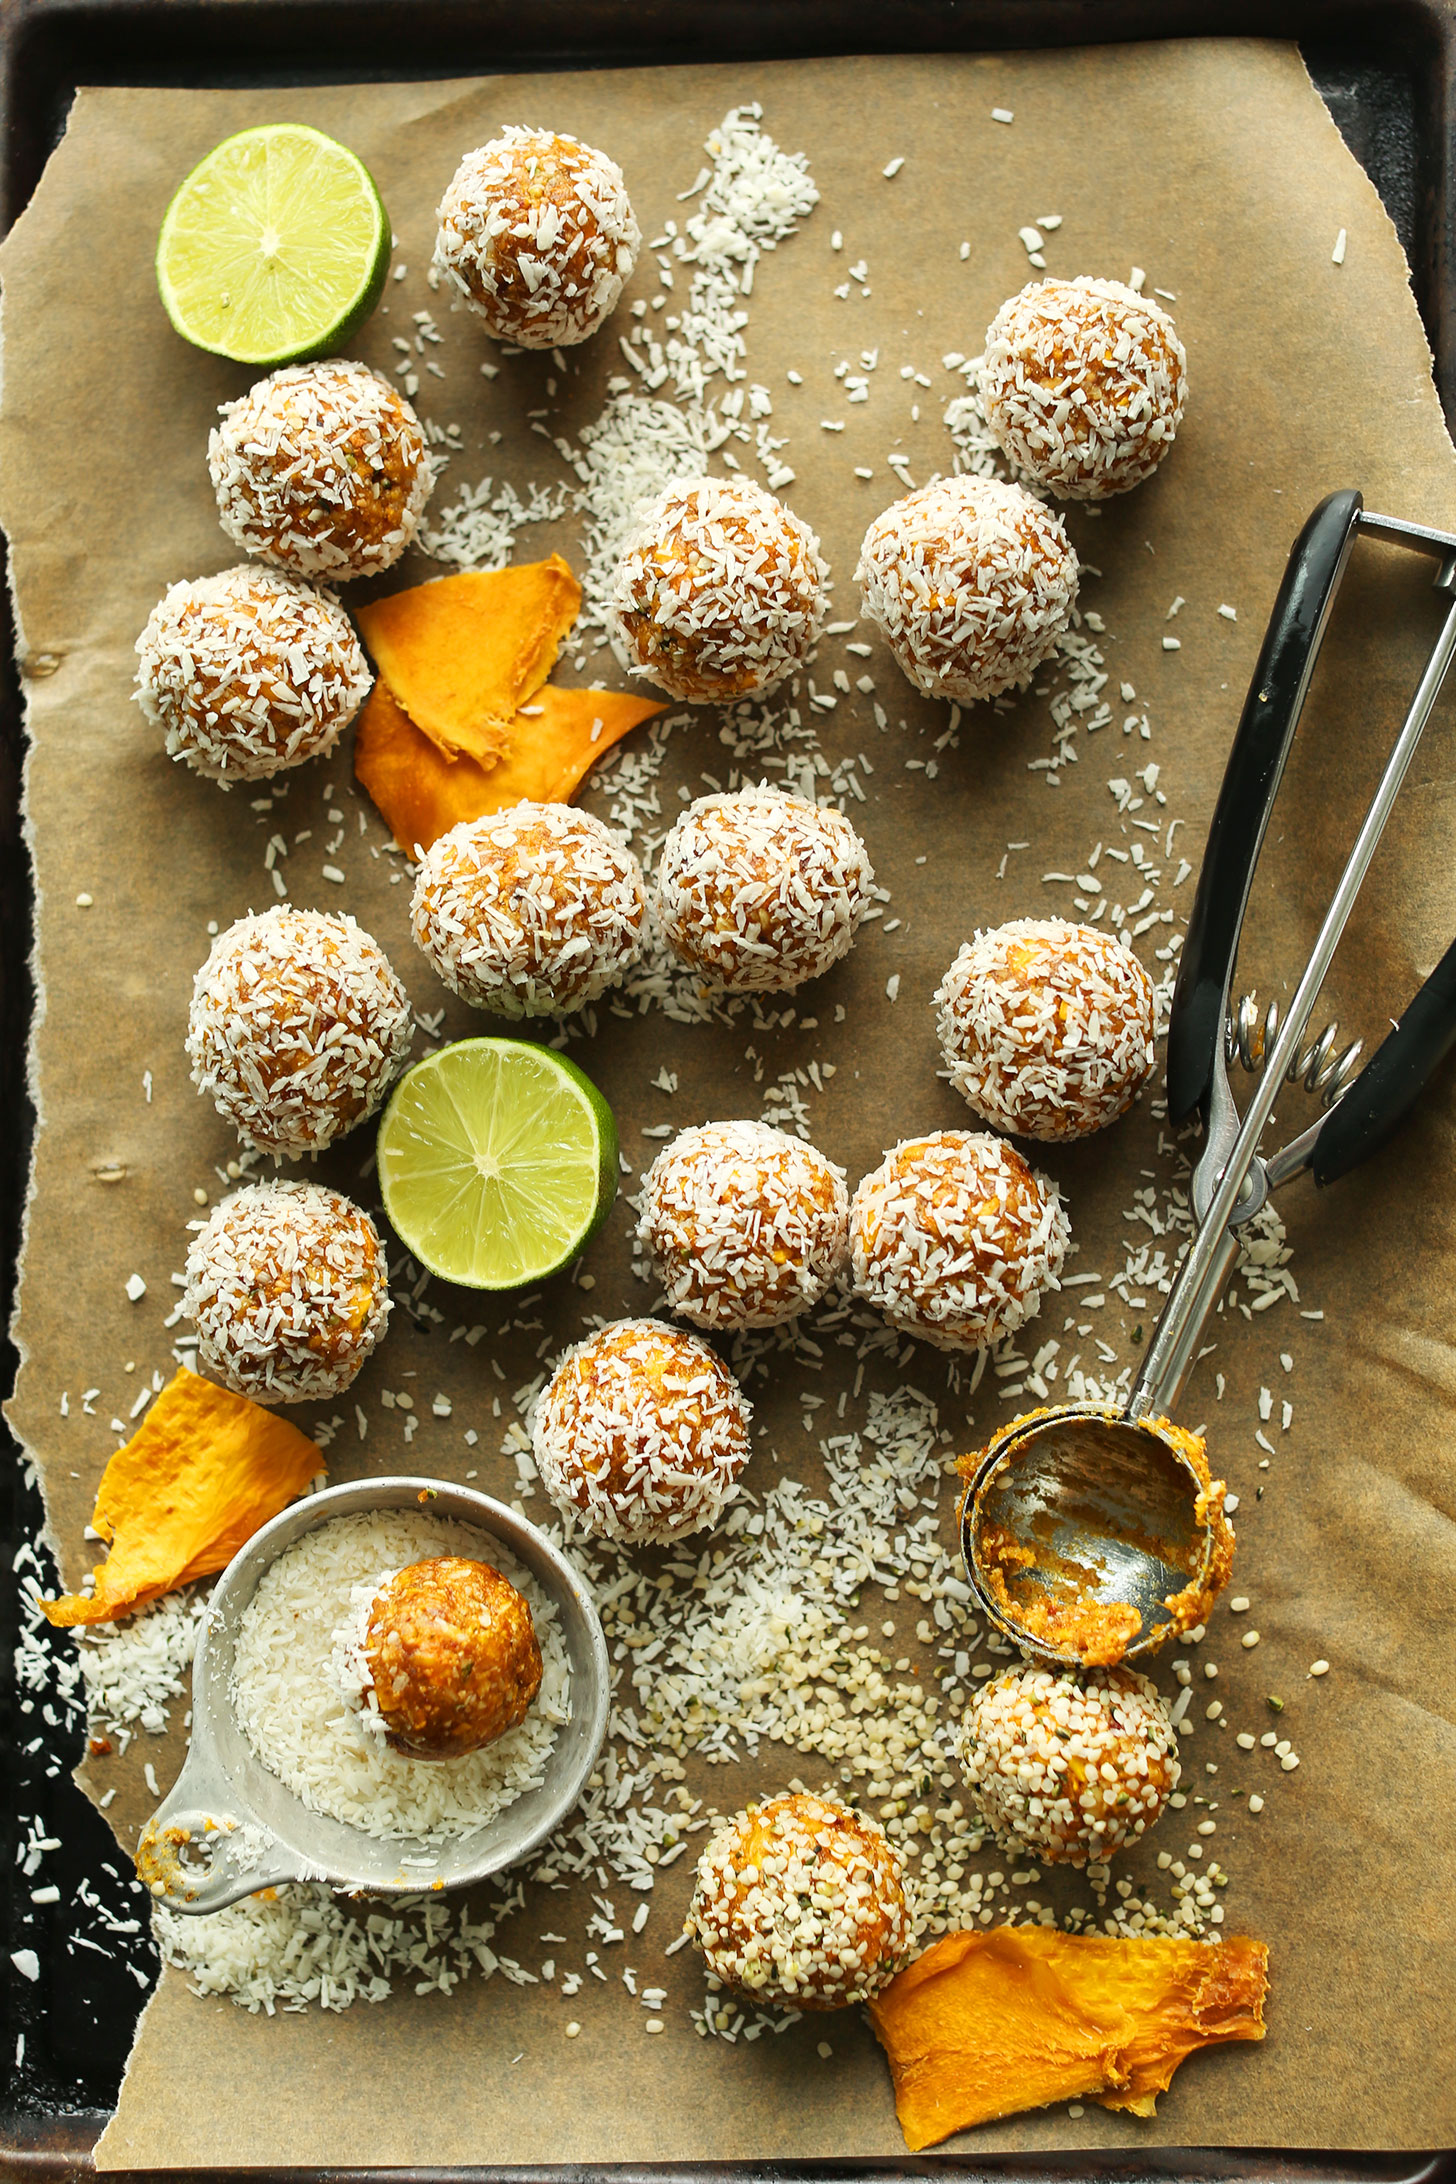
{"type": "Point", "coordinates": [802, 1902]}
{"type": "Point", "coordinates": [954, 1238]}
{"type": "Point", "coordinates": [747, 1227]}
{"type": "Point", "coordinates": [248, 672]}
{"type": "Point", "coordinates": [1070, 1765]}
{"type": "Point", "coordinates": [1084, 384]}
{"type": "Point", "coordinates": [721, 591]}
{"type": "Point", "coordinates": [288, 1288]}
{"type": "Point", "coordinates": [538, 235]}
{"type": "Point", "coordinates": [298, 1024]}
{"type": "Point", "coordinates": [321, 469]}
{"type": "Point", "coordinates": [641, 1433]}
{"type": "Point", "coordinates": [759, 890]}
{"type": "Point", "coordinates": [533, 911]}
{"type": "Point", "coordinates": [1047, 1028]}
{"type": "Point", "coordinates": [452, 1655]}
{"type": "Point", "coordinates": [972, 582]}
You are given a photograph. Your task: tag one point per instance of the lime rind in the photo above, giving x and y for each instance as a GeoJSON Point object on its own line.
{"type": "Point", "coordinates": [275, 248]}
{"type": "Point", "coordinates": [497, 1162]}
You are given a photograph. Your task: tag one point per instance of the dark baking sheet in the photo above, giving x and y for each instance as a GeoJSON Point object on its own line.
{"type": "Point", "coordinates": [1388, 73]}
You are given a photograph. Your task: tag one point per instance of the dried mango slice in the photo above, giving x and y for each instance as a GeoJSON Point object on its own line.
{"type": "Point", "coordinates": [551, 748]}
{"type": "Point", "coordinates": [985, 2024]}
{"type": "Point", "coordinates": [464, 653]}
{"type": "Point", "coordinates": [202, 1472]}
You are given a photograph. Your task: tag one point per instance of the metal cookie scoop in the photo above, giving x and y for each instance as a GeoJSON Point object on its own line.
{"type": "Point", "coordinates": [1089, 1534]}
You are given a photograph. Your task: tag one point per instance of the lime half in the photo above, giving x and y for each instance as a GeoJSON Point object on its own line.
{"type": "Point", "coordinates": [498, 1162]}
{"type": "Point", "coordinates": [274, 249]}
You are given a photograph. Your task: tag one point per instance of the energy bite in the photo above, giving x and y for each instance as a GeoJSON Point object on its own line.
{"type": "Point", "coordinates": [1047, 1028]}
{"type": "Point", "coordinates": [533, 911]}
{"type": "Point", "coordinates": [298, 1025]}
{"type": "Point", "coordinates": [1071, 1764]}
{"type": "Point", "coordinates": [321, 469]}
{"type": "Point", "coordinates": [801, 1902]}
{"type": "Point", "coordinates": [956, 1239]}
{"type": "Point", "coordinates": [288, 1288]}
{"type": "Point", "coordinates": [538, 235]}
{"type": "Point", "coordinates": [760, 890]}
{"type": "Point", "coordinates": [453, 1660]}
{"type": "Point", "coordinates": [641, 1433]}
{"type": "Point", "coordinates": [747, 1227]}
{"type": "Point", "coordinates": [721, 591]}
{"type": "Point", "coordinates": [971, 581]}
{"type": "Point", "coordinates": [1084, 384]}
{"type": "Point", "coordinates": [248, 672]}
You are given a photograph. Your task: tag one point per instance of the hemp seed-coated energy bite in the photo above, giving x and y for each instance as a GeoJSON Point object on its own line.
{"type": "Point", "coordinates": [533, 911]}
{"type": "Point", "coordinates": [248, 672]}
{"type": "Point", "coordinates": [721, 591]}
{"type": "Point", "coordinates": [972, 582]}
{"type": "Point", "coordinates": [1084, 383]}
{"type": "Point", "coordinates": [1047, 1027]}
{"type": "Point", "coordinates": [298, 1025]}
{"type": "Point", "coordinates": [641, 1433]}
{"type": "Point", "coordinates": [321, 469]}
{"type": "Point", "coordinates": [801, 1902]}
{"type": "Point", "coordinates": [760, 890]}
{"type": "Point", "coordinates": [747, 1227]}
{"type": "Point", "coordinates": [288, 1288]}
{"type": "Point", "coordinates": [954, 1238]}
{"type": "Point", "coordinates": [1068, 1764]}
{"type": "Point", "coordinates": [538, 235]}
{"type": "Point", "coordinates": [452, 1657]}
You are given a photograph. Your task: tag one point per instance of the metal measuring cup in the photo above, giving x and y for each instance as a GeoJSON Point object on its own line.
{"type": "Point", "coordinates": [1093, 1533]}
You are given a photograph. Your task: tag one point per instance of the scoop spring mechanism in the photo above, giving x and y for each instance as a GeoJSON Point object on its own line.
{"type": "Point", "coordinates": [1249, 1040]}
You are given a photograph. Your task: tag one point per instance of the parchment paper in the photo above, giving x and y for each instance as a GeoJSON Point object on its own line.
{"type": "Point", "coordinates": [1215, 167]}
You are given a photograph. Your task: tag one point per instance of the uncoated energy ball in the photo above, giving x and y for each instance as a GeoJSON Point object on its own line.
{"type": "Point", "coordinates": [537, 234]}
{"type": "Point", "coordinates": [452, 1654]}
{"type": "Point", "coordinates": [720, 592]}
{"type": "Point", "coordinates": [321, 469]}
{"type": "Point", "coordinates": [972, 582]}
{"type": "Point", "coordinates": [1083, 383]}
{"type": "Point", "coordinates": [1047, 1027]}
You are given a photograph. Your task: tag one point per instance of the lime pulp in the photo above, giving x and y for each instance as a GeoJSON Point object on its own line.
{"type": "Point", "coordinates": [497, 1161]}
{"type": "Point", "coordinates": [275, 248]}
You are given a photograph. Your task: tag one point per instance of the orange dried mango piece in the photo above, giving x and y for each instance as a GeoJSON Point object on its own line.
{"type": "Point", "coordinates": [551, 748]}
{"type": "Point", "coordinates": [463, 653]}
{"type": "Point", "coordinates": [985, 2024]}
{"type": "Point", "coordinates": [202, 1472]}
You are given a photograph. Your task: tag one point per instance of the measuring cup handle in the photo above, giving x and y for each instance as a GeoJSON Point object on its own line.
{"type": "Point", "coordinates": [1250, 784]}
{"type": "Point", "coordinates": [1391, 1081]}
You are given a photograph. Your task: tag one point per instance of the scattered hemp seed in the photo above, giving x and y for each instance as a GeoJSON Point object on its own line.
{"type": "Point", "coordinates": [1275, 1703]}
{"type": "Point", "coordinates": [573, 2030]}
{"type": "Point", "coordinates": [1256, 1803]}
{"type": "Point", "coordinates": [1319, 1668]}
{"type": "Point", "coordinates": [1239, 1604]}
{"type": "Point", "coordinates": [199, 1196]}
{"type": "Point", "coordinates": [825, 2050]}
{"type": "Point", "coordinates": [1289, 1762]}
{"type": "Point", "coordinates": [84, 902]}
{"type": "Point", "coordinates": [1250, 1638]}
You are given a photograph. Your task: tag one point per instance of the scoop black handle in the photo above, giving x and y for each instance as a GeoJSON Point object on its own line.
{"type": "Point", "coordinates": [1388, 1086]}
{"type": "Point", "coordinates": [1250, 784]}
